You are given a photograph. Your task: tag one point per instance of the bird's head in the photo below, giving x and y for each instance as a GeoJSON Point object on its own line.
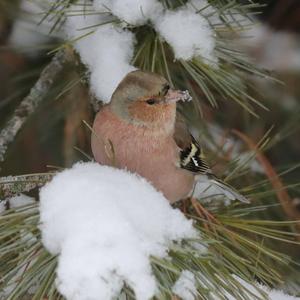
{"type": "Point", "coordinates": [146, 99]}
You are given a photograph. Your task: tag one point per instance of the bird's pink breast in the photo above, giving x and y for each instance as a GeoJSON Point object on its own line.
{"type": "Point", "coordinates": [150, 154]}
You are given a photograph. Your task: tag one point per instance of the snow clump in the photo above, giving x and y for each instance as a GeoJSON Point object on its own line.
{"type": "Point", "coordinates": [105, 223]}
{"type": "Point", "coordinates": [188, 33]}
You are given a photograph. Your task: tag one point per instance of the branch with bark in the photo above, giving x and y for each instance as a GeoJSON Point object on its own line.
{"type": "Point", "coordinates": [14, 185]}
{"type": "Point", "coordinates": [30, 103]}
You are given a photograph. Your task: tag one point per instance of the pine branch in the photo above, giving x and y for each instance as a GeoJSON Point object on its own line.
{"type": "Point", "coordinates": [31, 102]}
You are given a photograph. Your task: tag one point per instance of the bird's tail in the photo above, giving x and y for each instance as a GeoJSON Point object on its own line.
{"type": "Point", "coordinates": [227, 189]}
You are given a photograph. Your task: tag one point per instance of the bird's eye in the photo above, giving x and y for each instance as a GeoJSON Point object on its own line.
{"type": "Point", "coordinates": [151, 101]}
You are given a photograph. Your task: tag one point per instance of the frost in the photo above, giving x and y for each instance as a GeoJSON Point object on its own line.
{"type": "Point", "coordinates": [106, 50]}
{"type": "Point", "coordinates": [188, 33]}
{"type": "Point", "coordinates": [185, 286]}
{"type": "Point", "coordinates": [105, 223]}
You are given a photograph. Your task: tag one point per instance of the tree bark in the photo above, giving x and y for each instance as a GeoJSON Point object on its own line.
{"type": "Point", "coordinates": [30, 103]}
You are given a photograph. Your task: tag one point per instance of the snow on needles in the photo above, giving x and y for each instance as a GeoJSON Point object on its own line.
{"type": "Point", "coordinates": [272, 293]}
{"type": "Point", "coordinates": [188, 33]}
{"type": "Point", "coordinates": [16, 202]}
{"type": "Point", "coordinates": [105, 223]}
{"type": "Point", "coordinates": [185, 286]}
{"type": "Point", "coordinates": [106, 50]}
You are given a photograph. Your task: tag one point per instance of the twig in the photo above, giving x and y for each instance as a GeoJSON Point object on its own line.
{"type": "Point", "coordinates": [13, 185]}
{"type": "Point", "coordinates": [31, 102]}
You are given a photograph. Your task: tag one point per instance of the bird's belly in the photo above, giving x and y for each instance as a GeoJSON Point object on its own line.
{"type": "Point", "coordinates": [161, 171]}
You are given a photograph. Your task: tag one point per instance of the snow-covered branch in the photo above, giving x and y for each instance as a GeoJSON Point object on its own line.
{"type": "Point", "coordinates": [110, 222]}
{"type": "Point", "coordinates": [13, 185]}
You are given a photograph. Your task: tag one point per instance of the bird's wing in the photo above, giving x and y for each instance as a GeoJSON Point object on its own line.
{"type": "Point", "coordinates": [191, 155]}
{"type": "Point", "coordinates": [192, 159]}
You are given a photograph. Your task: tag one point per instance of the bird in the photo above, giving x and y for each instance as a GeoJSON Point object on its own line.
{"type": "Point", "coordinates": [140, 131]}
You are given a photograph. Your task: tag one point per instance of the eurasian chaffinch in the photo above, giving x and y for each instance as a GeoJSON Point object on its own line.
{"type": "Point", "coordinates": [139, 131]}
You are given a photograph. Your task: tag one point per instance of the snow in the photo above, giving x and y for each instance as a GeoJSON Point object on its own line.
{"type": "Point", "coordinates": [20, 200]}
{"type": "Point", "coordinates": [185, 286]}
{"type": "Point", "coordinates": [272, 293]}
{"type": "Point", "coordinates": [105, 223]}
{"type": "Point", "coordinates": [280, 295]}
{"type": "Point", "coordinates": [106, 50]}
{"type": "Point", "coordinates": [134, 12]}
{"type": "Point", "coordinates": [2, 206]}
{"type": "Point", "coordinates": [16, 202]}
{"type": "Point", "coordinates": [188, 33]}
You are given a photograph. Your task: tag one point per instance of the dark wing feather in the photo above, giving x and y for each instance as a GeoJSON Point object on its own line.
{"type": "Point", "coordinates": [191, 156]}
{"type": "Point", "coordinates": [192, 159]}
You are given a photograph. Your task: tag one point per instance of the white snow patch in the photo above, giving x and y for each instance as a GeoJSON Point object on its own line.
{"type": "Point", "coordinates": [134, 12]}
{"type": "Point", "coordinates": [253, 290]}
{"type": "Point", "coordinates": [2, 206]}
{"type": "Point", "coordinates": [16, 202]}
{"type": "Point", "coordinates": [106, 50]}
{"type": "Point", "coordinates": [272, 293]}
{"type": "Point", "coordinates": [105, 223]}
{"type": "Point", "coordinates": [279, 295]}
{"type": "Point", "coordinates": [188, 33]}
{"type": "Point", "coordinates": [20, 200]}
{"type": "Point", "coordinates": [185, 286]}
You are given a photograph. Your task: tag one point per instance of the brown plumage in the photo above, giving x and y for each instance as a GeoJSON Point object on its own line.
{"type": "Point", "coordinates": [139, 131]}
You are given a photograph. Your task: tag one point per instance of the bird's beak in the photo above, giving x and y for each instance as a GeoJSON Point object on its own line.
{"type": "Point", "coordinates": [176, 95]}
